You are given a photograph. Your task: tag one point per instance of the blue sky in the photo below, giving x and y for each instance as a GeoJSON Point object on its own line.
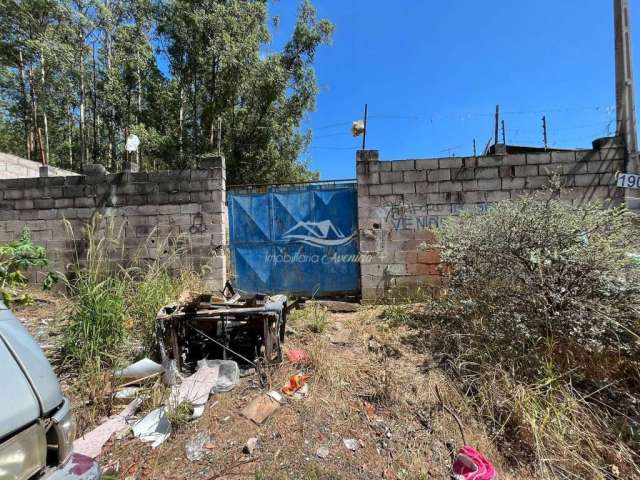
{"type": "Point", "coordinates": [432, 72]}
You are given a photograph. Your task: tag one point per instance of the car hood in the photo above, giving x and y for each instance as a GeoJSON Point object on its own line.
{"type": "Point", "coordinates": [24, 367]}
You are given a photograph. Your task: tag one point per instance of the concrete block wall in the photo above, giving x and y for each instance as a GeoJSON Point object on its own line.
{"type": "Point", "coordinates": [12, 166]}
{"type": "Point", "coordinates": [152, 209]}
{"type": "Point", "coordinates": [398, 201]}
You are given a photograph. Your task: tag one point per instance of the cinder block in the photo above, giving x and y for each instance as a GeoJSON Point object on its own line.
{"type": "Point", "coordinates": [440, 175]}
{"type": "Point", "coordinates": [488, 184]}
{"type": "Point", "coordinates": [384, 189]}
{"type": "Point", "coordinates": [497, 196]}
{"type": "Point", "coordinates": [369, 178]}
{"type": "Point", "coordinates": [513, 183]}
{"type": "Point", "coordinates": [514, 159]}
{"type": "Point", "coordinates": [608, 178]}
{"type": "Point", "coordinates": [23, 204]}
{"type": "Point", "coordinates": [553, 168]}
{"type": "Point", "coordinates": [190, 208]}
{"type": "Point", "coordinates": [474, 197]}
{"type": "Point", "coordinates": [469, 185]}
{"type": "Point", "coordinates": [587, 155]}
{"type": "Point", "coordinates": [450, 186]}
{"type": "Point", "coordinates": [13, 194]}
{"type": "Point", "coordinates": [450, 163]}
{"type": "Point", "coordinates": [563, 157]}
{"type": "Point", "coordinates": [612, 154]}
{"type": "Point", "coordinates": [538, 158]}
{"type": "Point", "coordinates": [437, 198]}
{"type": "Point", "coordinates": [599, 167]}
{"type": "Point", "coordinates": [402, 165]}
{"type": "Point", "coordinates": [380, 167]}
{"type": "Point", "coordinates": [462, 173]}
{"type": "Point", "coordinates": [44, 203]}
{"type": "Point", "coordinates": [482, 173]}
{"type": "Point", "coordinates": [575, 168]}
{"type": "Point", "coordinates": [490, 161]}
{"type": "Point", "coordinates": [470, 162]}
{"type": "Point", "coordinates": [402, 188]}
{"type": "Point", "coordinates": [415, 176]}
{"type": "Point", "coordinates": [427, 187]}
{"type": "Point", "coordinates": [391, 177]}
{"type": "Point", "coordinates": [526, 171]}
{"type": "Point", "coordinates": [507, 171]}
{"type": "Point", "coordinates": [536, 182]}
{"type": "Point", "coordinates": [427, 164]}
{"type": "Point", "coordinates": [86, 202]}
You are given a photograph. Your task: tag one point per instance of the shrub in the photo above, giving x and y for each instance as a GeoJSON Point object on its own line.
{"type": "Point", "coordinates": [544, 274]}
{"type": "Point", "coordinates": [541, 323]}
{"type": "Point", "coordinates": [17, 257]}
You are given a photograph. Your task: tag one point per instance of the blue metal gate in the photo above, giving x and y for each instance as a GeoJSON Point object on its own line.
{"type": "Point", "coordinates": [300, 239]}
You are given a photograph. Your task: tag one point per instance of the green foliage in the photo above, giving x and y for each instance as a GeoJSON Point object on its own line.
{"type": "Point", "coordinates": [114, 306]}
{"type": "Point", "coordinates": [17, 257]}
{"type": "Point", "coordinates": [91, 70]}
{"type": "Point", "coordinates": [313, 318]}
{"type": "Point", "coordinates": [540, 324]}
{"type": "Point", "coordinates": [539, 269]}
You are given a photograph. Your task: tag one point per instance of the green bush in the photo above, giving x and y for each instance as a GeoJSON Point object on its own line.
{"type": "Point", "coordinates": [541, 324]}
{"type": "Point", "coordinates": [17, 257]}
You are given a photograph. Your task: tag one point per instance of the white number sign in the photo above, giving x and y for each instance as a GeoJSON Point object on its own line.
{"type": "Point", "coordinates": [628, 180]}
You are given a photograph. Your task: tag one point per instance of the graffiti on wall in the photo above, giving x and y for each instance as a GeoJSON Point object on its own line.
{"type": "Point", "coordinates": [423, 217]}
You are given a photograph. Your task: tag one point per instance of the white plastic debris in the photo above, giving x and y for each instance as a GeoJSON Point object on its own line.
{"type": "Point", "coordinates": [195, 447]}
{"type": "Point", "coordinates": [195, 389]}
{"type": "Point", "coordinates": [228, 374]}
{"type": "Point", "coordinates": [154, 428]}
{"type": "Point", "coordinates": [351, 444]}
{"type": "Point", "coordinates": [322, 452]}
{"type": "Point", "coordinates": [140, 369]}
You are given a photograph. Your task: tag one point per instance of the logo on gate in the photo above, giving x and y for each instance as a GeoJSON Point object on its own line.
{"type": "Point", "coordinates": [318, 234]}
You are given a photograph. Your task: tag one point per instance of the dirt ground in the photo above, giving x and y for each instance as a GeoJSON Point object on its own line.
{"type": "Point", "coordinates": [367, 383]}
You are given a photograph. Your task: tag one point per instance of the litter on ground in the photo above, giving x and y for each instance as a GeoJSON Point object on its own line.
{"type": "Point", "coordinates": [154, 428]}
{"type": "Point", "coordinates": [91, 443]}
{"type": "Point", "coordinates": [296, 382]}
{"type": "Point", "coordinates": [260, 408]}
{"type": "Point", "coordinates": [470, 464]}
{"type": "Point", "coordinates": [139, 370]}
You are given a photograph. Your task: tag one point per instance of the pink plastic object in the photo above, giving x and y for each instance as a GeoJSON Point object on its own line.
{"type": "Point", "coordinates": [472, 465]}
{"type": "Point", "coordinates": [297, 355]}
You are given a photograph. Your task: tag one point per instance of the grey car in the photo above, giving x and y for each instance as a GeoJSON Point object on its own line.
{"type": "Point", "coordinates": [36, 426]}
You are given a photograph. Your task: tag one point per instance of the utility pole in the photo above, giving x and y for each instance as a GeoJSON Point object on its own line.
{"type": "Point", "coordinates": [626, 119]}
{"type": "Point", "coordinates": [625, 91]}
{"type": "Point", "coordinates": [544, 131]}
{"type": "Point", "coordinates": [475, 152]}
{"type": "Point", "coordinates": [504, 134]}
{"type": "Point", "coordinates": [364, 136]}
{"type": "Point", "coordinates": [497, 124]}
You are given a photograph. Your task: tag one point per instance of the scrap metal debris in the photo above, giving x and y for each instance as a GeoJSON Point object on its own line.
{"type": "Point", "coordinates": [248, 330]}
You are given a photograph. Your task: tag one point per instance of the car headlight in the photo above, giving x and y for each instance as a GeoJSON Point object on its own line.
{"type": "Point", "coordinates": [24, 454]}
{"type": "Point", "coordinates": [62, 433]}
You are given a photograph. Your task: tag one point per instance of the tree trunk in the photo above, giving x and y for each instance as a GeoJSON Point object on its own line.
{"type": "Point", "coordinates": [70, 135]}
{"type": "Point", "coordinates": [34, 113]}
{"type": "Point", "coordinates": [212, 98]}
{"type": "Point", "coordinates": [95, 109]}
{"type": "Point", "coordinates": [44, 111]}
{"type": "Point", "coordinates": [181, 125]}
{"type": "Point", "coordinates": [83, 140]}
{"type": "Point", "coordinates": [25, 107]}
